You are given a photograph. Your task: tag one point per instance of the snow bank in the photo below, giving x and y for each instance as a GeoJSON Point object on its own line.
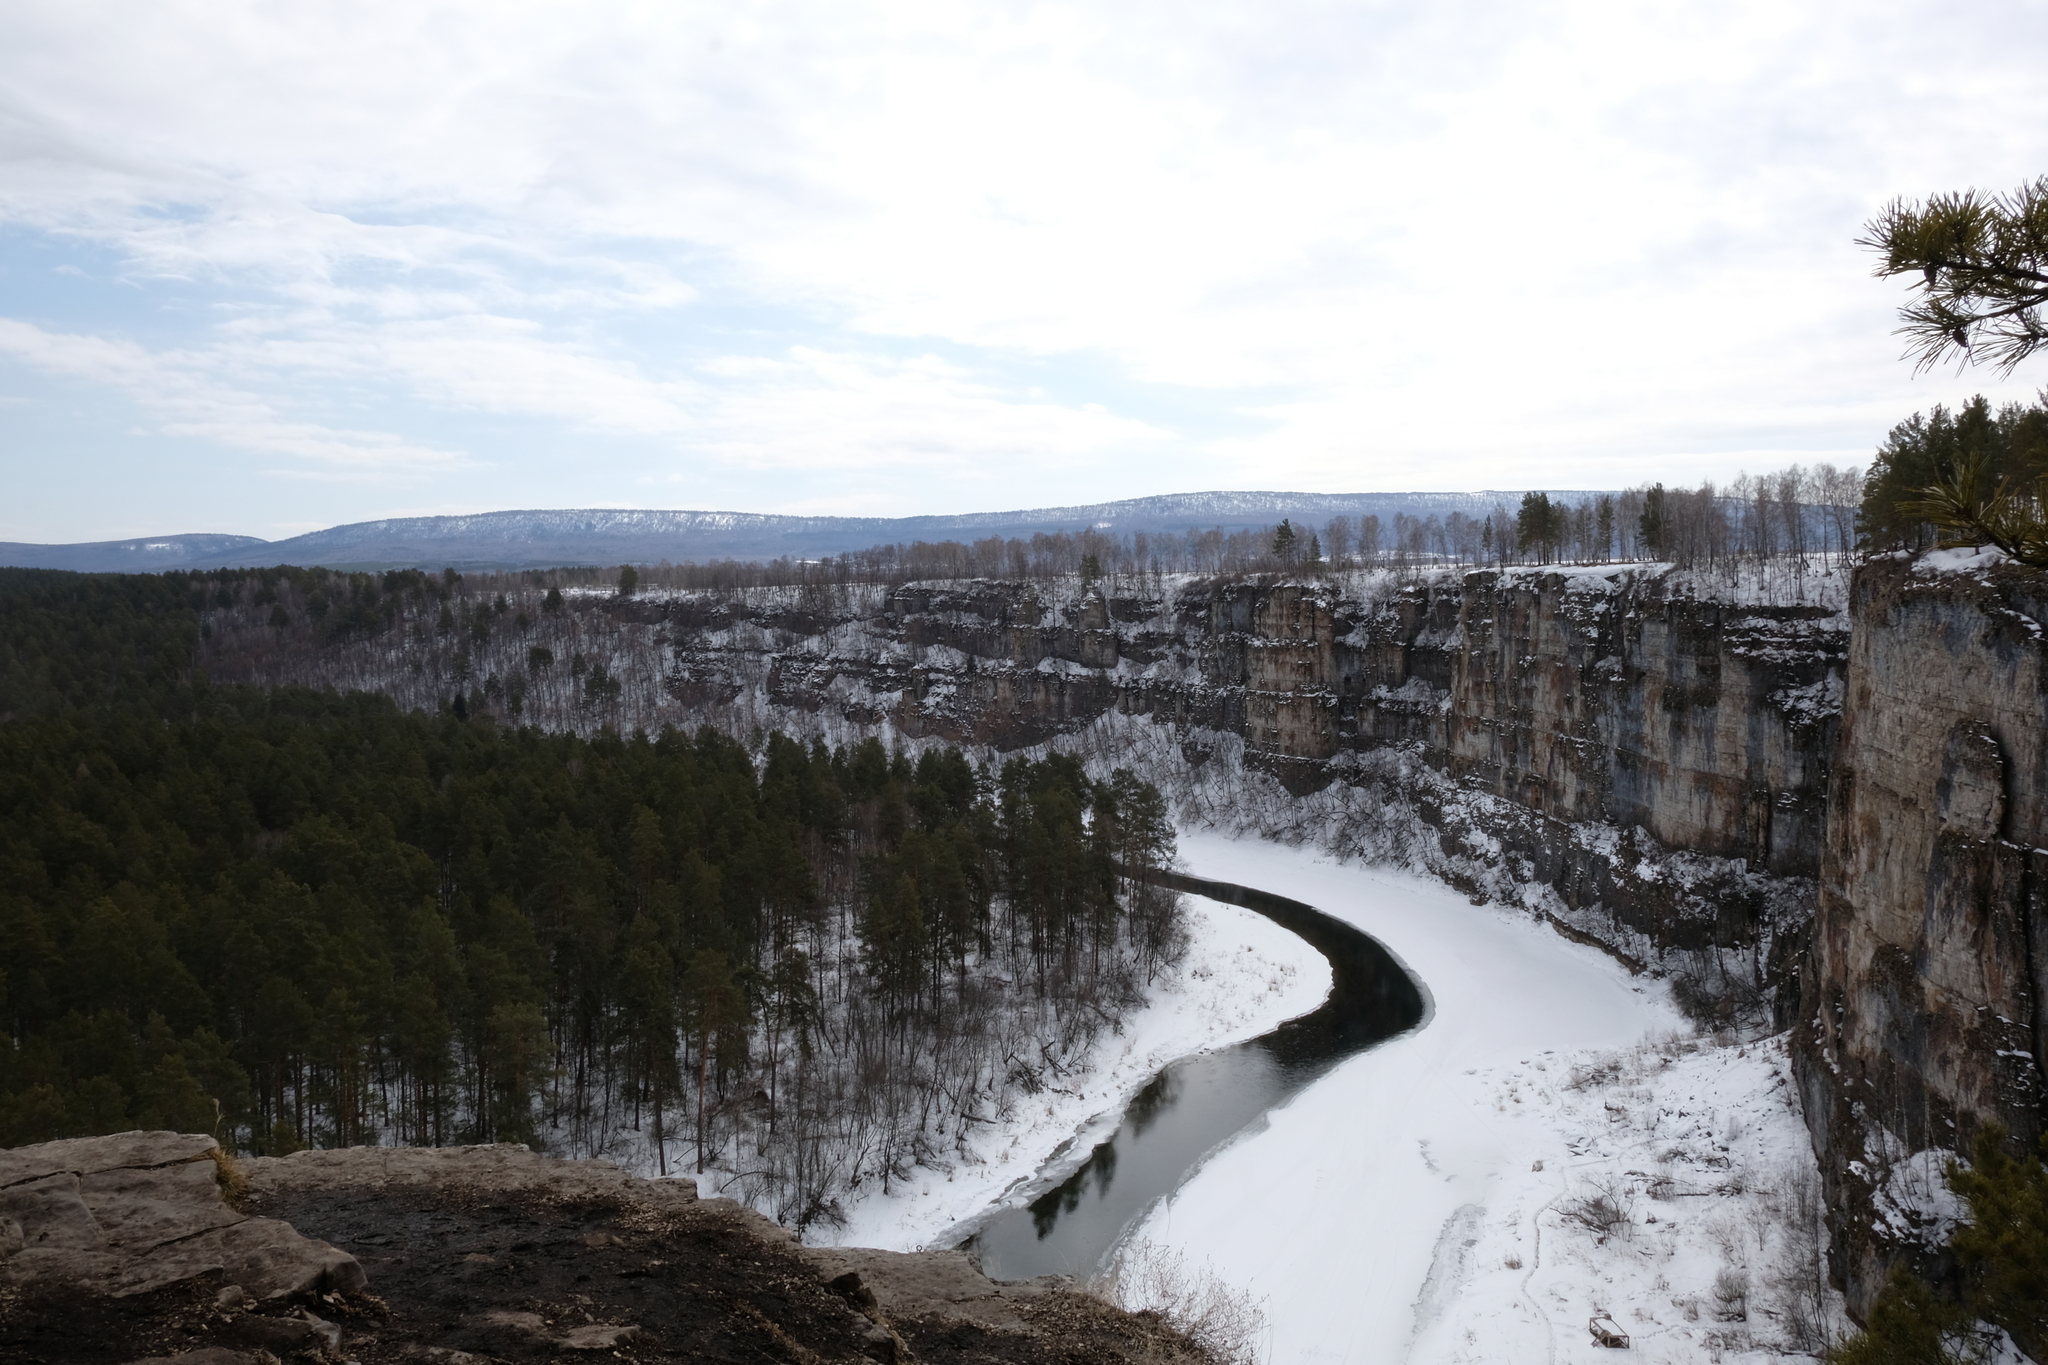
{"type": "Point", "coordinates": [1668, 1186]}
{"type": "Point", "coordinates": [1242, 976]}
{"type": "Point", "coordinates": [1379, 1213]}
{"type": "Point", "coordinates": [1959, 559]}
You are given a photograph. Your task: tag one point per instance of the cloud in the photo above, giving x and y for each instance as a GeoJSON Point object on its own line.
{"type": "Point", "coordinates": [828, 410]}
{"type": "Point", "coordinates": [186, 401]}
{"type": "Point", "coordinates": [1297, 242]}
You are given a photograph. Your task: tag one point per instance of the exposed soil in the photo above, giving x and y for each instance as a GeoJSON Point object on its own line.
{"type": "Point", "coordinates": [476, 1273]}
{"type": "Point", "coordinates": [457, 1268]}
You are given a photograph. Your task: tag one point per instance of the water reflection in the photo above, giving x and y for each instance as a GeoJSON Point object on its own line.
{"type": "Point", "coordinates": [1198, 1103]}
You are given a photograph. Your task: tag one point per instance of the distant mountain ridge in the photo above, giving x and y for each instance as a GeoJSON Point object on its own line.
{"type": "Point", "coordinates": [147, 554]}
{"type": "Point", "coordinates": [550, 538]}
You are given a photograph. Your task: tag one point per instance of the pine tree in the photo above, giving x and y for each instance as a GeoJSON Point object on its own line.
{"type": "Point", "coordinates": [717, 1013]}
{"type": "Point", "coordinates": [1284, 544]}
{"type": "Point", "coordinates": [1655, 524]}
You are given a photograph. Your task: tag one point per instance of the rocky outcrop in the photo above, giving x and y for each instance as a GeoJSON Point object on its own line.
{"type": "Point", "coordinates": [124, 1215]}
{"type": "Point", "coordinates": [464, 1256]}
{"type": "Point", "coordinates": [1925, 1010]}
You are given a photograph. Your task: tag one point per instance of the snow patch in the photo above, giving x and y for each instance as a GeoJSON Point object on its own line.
{"type": "Point", "coordinates": [1242, 976]}
{"type": "Point", "coordinates": [1960, 559]}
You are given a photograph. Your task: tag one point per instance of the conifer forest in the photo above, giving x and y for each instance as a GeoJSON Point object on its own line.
{"type": "Point", "coordinates": [293, 917]}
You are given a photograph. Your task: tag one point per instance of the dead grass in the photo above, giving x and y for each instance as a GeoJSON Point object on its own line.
{"type": "Point", "coordinates": [233, 1181]}
{"type": "Point", "coordinates": [1226, 1322]}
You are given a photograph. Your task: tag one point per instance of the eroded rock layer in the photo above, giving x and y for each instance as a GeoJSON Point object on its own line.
{"type": "Point", "coordinates": [123, 1215]}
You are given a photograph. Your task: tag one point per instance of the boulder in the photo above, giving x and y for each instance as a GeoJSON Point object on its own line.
{"type": "Point", "coordinates": [53, 1214]}
{"type": "Point", "coordinates": [885, 1285]}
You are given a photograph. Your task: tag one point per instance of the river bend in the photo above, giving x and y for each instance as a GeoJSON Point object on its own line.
{"type": "Point", "coordinates": [1195, 1105]}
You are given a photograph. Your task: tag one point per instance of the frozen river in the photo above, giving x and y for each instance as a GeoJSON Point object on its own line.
{"type": "Point", "coordinates": [1351, 1209]}
{"type": "Point", "coordinates": [1198, 1103]}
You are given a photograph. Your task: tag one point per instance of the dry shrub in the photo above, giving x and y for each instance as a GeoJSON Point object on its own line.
{"type": "Point", "coordinates": [1595, 1074]}
{"type": "Point", "coordinates": [1731, 1291]}
{"type": "Point", "coordinates": [1226, 1322]}
{"type": "Point", "coordinates": [1799, 1281]}
{"type": "Point", "coordinates": [1603, 1207]}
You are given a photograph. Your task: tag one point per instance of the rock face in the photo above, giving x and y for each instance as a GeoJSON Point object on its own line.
{"type": "Point", "coordinates": [1578, 728]}
{"type": "Point", "coordinates": [1925, 1011]}
{"type": "Point", "coordinates": [465, 1256]}
{"type": "Point", "coordinates": [1585, 695]}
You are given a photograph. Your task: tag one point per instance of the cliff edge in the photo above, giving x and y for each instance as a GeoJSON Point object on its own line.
{"type": "Point", "coordinates": [1924, 1006]}
{"type": "Point", "coordinates": [154, 1247]}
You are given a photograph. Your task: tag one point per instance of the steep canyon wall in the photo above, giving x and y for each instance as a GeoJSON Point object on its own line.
{"type": "Point", "coordinates": [1654, 755]}
{"type": "Point", "coordinates": [1816, 805]}
{"type": "Point", "coordinates": [1925, 1008]}
{"type": "Point", "coordinates": [1648, 752]}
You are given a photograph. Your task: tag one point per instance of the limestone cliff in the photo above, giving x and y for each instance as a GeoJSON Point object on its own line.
{"type": "Point", "coordinates": [1923, 1011]}
{"type": "Point", "coordinates": [1649, 746]}
{"type": "Point", "coordinates": [1654, 752]}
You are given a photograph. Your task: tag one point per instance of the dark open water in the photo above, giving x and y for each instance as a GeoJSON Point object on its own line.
{"type": "Point", "coordinates": [1198, 1103]}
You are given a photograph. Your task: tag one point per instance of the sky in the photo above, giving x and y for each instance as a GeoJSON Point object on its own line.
{"type": "Point", "coordinates": [268, 267]}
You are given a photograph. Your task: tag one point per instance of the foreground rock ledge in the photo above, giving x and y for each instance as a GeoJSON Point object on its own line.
{"type": "Point", "coordinates": [153, 1247]}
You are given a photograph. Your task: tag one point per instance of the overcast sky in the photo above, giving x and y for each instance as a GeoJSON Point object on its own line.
{"type": "Point", "coordinates": [269, 267]}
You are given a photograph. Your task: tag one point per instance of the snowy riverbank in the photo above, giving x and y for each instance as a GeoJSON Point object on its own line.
{"type": "Point", "coordinates": [1420, 1202]}
{"type": "Point", "coordinates": [1243, 974]}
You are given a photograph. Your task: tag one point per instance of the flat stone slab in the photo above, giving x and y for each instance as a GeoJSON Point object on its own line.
{"type": "Point", "coordinates": [139, 1209]}
{"type": "Point", "coordinates": [134, 1212]}
{"type": "Point", "coordinates": [944, 1284]}
{"type": "Point", "coordinates": [498, 1166]}
{"type": "Point", "coordinates": [89, 1156]}
{"type": "Point", "coordinates": [267, 1258]}
{"type": "Point", "coordinates": [596, 1336]}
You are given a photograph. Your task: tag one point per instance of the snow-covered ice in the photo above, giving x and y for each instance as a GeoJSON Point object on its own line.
{"type": "Point", "coordinates": [1413, 1205]}
{"type": "Point", "coordinates": [1243, 975]}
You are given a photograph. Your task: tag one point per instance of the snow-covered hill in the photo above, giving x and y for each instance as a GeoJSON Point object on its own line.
{"type": "Point", "coordinates": [149, 554]}
{"type": "Point", "coordinates": [552, 537]}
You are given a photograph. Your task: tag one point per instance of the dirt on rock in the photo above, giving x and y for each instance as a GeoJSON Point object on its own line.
{"type": "Point", "coordinates": [484, 1255]}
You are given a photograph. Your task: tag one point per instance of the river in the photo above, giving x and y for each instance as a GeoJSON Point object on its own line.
{"type": "Point", "coordinates": [1198, 1103]}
